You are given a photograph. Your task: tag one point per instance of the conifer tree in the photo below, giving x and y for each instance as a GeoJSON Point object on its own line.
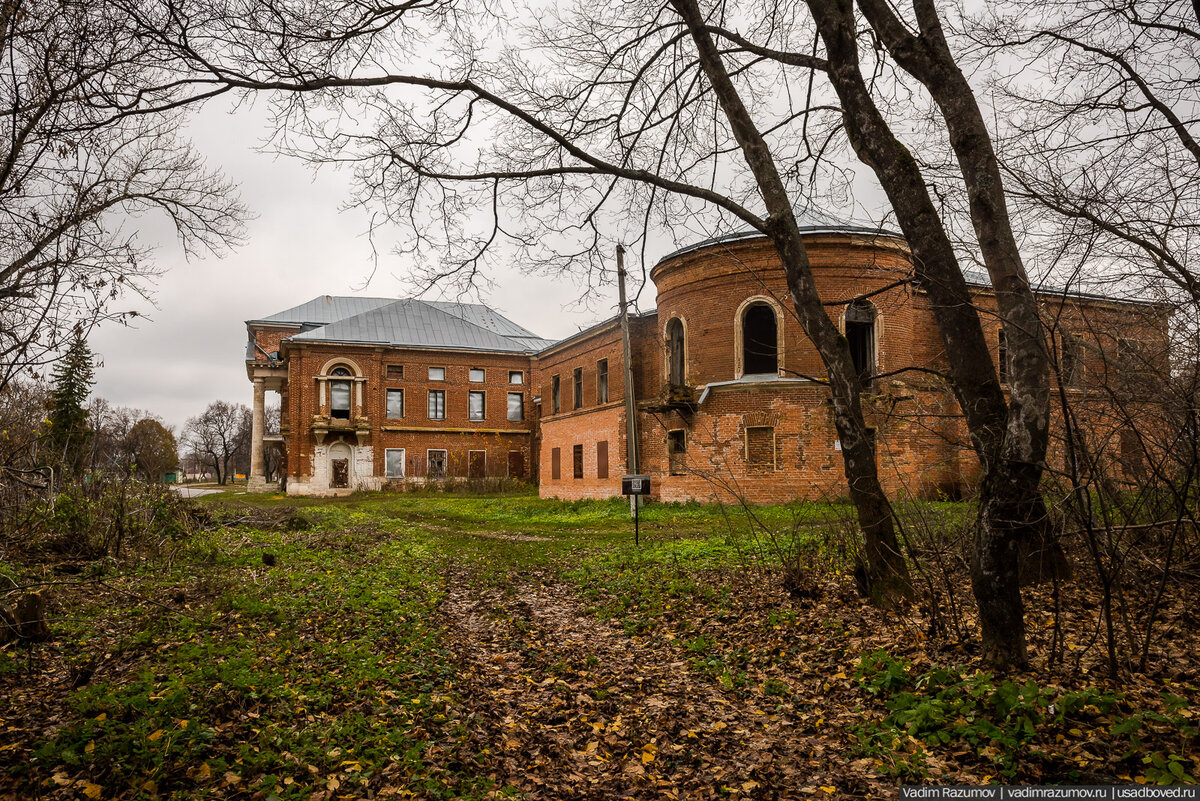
{"type": "Point", "coordinates": [69, 431]}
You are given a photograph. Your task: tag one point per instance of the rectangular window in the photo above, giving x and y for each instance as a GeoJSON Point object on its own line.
{"type": "Point", "coordinates": [437, 404]}
{"type": "Point", "coordinates": [516, 406]}
{"type": "Point", "coordinates": [475, 405]}
{"type": "Point", "coordinates": [475, 375]}
{"type": "Point", "coordinates": [602, 459]}
{"type": "Point", "coordinates": [677, 451]}
{"type": "Point", "coordinates": [602, 381]}
{"type": "Point", "coordinates": [395, 371]}
{"type": "Point", "coordinates": [339, 399]}
{"type": "Point", "coordinates": [395, 404]}
{"type": "Point", "coordinates": [394, 462]}
{"type": "Point", "coordinates": [577, 460]}
{"type": "Point", "coordinates": [437, 373]}
{"type": "Point", "coordinates": [578, 382]}
{"type": "Point", "coordinates": [516, 377]}
{"type": "Point", "coordinates": [516, 464]}
{"type": "Point", "coordinates": [760, 448]}
{"type": "Point", "coordinates": [555, 463]}
{"type": "Point", "coordinates": [435, 461]}
{"type": "Point", "coordinates": [476, 464]}
{"type": "Point", "coordinates": [555, 395]}
{"type": "Point", "coordinates": [1071, 363]}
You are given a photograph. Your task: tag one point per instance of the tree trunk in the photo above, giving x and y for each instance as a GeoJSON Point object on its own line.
{"type": "Point", "coordinates": [887, 575]}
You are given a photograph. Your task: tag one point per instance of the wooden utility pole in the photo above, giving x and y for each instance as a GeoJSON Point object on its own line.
{"type": "Point", "coordinates": [631, 451]}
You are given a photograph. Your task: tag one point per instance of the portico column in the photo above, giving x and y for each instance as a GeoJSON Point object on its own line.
{"type": "Point", "coordinates": [258, 481]}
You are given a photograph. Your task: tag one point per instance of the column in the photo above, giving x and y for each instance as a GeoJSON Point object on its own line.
{"type": "Point", "coordinates": [257, 482]}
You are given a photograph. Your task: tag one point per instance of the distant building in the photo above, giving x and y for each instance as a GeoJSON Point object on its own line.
{"type": "Point", "coordinates": [730, 396]}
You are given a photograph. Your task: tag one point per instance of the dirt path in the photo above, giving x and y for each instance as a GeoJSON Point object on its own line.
{"type": "Point", "coordinates": [568, 706]}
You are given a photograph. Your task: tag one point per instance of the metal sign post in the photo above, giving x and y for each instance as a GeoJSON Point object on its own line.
{"type": "Point", "coordinates": [636, 486]}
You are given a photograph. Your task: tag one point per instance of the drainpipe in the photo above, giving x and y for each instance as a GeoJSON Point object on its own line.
{"type": "Point", "coordinates": [631, 451]}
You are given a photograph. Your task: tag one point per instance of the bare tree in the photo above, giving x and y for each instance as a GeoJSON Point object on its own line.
{"type": "Point", "coordinates": [75, 167]}
{"type": "Point", "coordinates": [218, 435]}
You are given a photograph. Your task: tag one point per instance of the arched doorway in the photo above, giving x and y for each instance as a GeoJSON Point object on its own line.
{"type": "Point", "coordinates": [340, 460]}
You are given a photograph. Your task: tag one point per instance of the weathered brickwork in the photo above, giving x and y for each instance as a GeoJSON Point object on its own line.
{"type": "Point", "coordinates": [722, 427]}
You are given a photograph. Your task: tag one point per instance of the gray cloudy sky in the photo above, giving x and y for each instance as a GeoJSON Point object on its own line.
{"type": "Point", "coordinates": [191, 348]}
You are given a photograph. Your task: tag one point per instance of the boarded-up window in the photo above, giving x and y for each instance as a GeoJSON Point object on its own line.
{"type": "Point", "coordinates": [760, 448]}
{"type": "Point", "coordinates": [677, 450]}
{"type": "Point", "coordinates": [395, 371]}
{"type": "Point", "coordinates": [602, 381]}
{"type": "Point", "coordinates": [577, 460]}
{"type": "Point", "coordinates": [602, 459]}
{"type": "Point", "coordinates": [516, 464]}
{"type": "Point", "coordinates": [556, 463]}
{"type": "Point", "coordinates": [578, 381]}
{"type": "Point", "coordinates": [476, 464]}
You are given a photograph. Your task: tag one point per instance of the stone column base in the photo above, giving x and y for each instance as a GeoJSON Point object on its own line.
{"type": "Point", "coordinates": [257, 484]}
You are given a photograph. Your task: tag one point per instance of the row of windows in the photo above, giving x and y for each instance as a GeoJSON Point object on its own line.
{"type": "Point", "coordinates": [577, 461]}
{"type": "Point", "coordinates": [436, 405]}
{"type": "Point", "coordinates": [577, 387]}
{"type": "Point", "coordinates": [437, 464]}
{"type": "Point", "coordinates": [475, 375]}
{"type": "Point", "coordinates": [1071, 353]}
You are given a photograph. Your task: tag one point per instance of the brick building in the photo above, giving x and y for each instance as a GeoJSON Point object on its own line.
{"type": "Point", "coordinates": [729, 392]}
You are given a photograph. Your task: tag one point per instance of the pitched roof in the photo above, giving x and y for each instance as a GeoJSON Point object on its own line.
{"type": "Point", "coordinates": [407, 322]}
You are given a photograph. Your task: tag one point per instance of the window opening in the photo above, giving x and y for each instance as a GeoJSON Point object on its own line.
{"type": "Point", "coordinates": [436, 464]}
{"type": "Point", "coordinates": [395, 403]}
{"type": "Point", "coordinates": [475, 405]}
{"type": "Point", "coordinates": [675, 351]}
{"type": "Point", "coordinates": [860, 335]}
{"type": "Point", "coordinates": [394, 462]}
{"type": "Point", "coordinates": [602, 381]}
{"type": "Point", "coordinates": [677, 450]}
{"type": "Point", "coordinates": [578, 381]}
{"type": "Point", "coordinates": [577, 460]}
{"type": "Point", "coordinates": [339, 395]}
{"type": "Point", "coordinates": [516, 407]}
{"type": "Point", "coordinates": [760, 345]}
{"type": "Point", "coordinates": [437, 404]}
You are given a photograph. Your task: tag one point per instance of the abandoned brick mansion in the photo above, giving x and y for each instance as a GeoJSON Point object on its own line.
{"type": "Point", "coordinates": [728, 391]}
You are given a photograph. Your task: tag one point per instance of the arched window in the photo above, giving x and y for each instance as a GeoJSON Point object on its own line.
{"type": "Point", "coordinates": [675, 352]}
{"type": "Point", "coordinates": [860, 333]}
{"type": "Point", "coordinates": [339, 393]}
{"type": "Point", "coordinates": [760, 341]}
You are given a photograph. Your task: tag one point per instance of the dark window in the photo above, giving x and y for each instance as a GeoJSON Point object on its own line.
{"type": "Point", "coordinates": [760, 346]}
{"type": "Point", "coordinates": [516, 406]}
{"type": "Point", "coordinates": [476, 375]}
{"type": "Point", "coordinates": [677, 451]}
{"type": "Point", "coordinates": [395, 371]}
{"type": "Point", "coordinates": [760, 448]}
{"type": "Point", "coordinates": [1071, 359]}
{"type": "Point", "coordinates": [339, 395]}
{"type": "Point", "coordinates": [860, 335]}
{"type": "Point", "coordinates": [475, 405]}
{"type": "Point", "coordinates": [516, 464]}
{"type": "Point", "coordinates": [437, 404]}
{"type": "Point", "coordinates": [516, 377]}
{"type": "Point", "coordinates": [675, 350]}
{"type": "Point", "coordinates": [476, 464]}
{"type": "Point", "coordinates": [555, 395]}
{"type": "Point", "coordinates": [555, 463]}
{"type": "Point", "coordinates": [395, 403]}
{"type": "Point", "coordinates": [436, 464]}
{"type": "Point", "coordinates": [578, 382]}
{"type": "Point", "coordinates": [577, 460]}
{"type": "Point", "coordinates": [602, 381]}
{"type": "Point", "coordinates": [602, 459]}
{"type": "Point", "coordinates": [1002, 356]}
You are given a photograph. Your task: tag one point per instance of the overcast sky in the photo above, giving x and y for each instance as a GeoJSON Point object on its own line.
{"type": "Point", "coordinates": [190, 350]}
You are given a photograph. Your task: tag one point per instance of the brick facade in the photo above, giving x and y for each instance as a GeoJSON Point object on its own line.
{"type": "Point", "coordinates": [750, 416]}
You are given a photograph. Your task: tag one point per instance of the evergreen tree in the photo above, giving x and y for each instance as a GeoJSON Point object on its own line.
{"type": "Point", "coordinates": [69, 431]}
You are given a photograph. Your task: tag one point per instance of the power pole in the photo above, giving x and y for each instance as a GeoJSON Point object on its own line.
{"type": "Point", "coordinates": [631, 449]}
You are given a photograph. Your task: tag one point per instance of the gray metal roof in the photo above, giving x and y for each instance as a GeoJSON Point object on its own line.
{"type": "Point", "coordinates": [810, 221]}
{"type": "Point", "coordinates": [409, 322]}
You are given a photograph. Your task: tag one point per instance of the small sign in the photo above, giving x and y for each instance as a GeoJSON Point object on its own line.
{"type": "Point", "coordinates": [635, 485]}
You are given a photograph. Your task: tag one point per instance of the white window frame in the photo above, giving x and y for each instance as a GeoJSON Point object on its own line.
{"type": "Point", "coordinates": [403, 469]}
{"type": "Point", "coordinates": [387, 403]}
